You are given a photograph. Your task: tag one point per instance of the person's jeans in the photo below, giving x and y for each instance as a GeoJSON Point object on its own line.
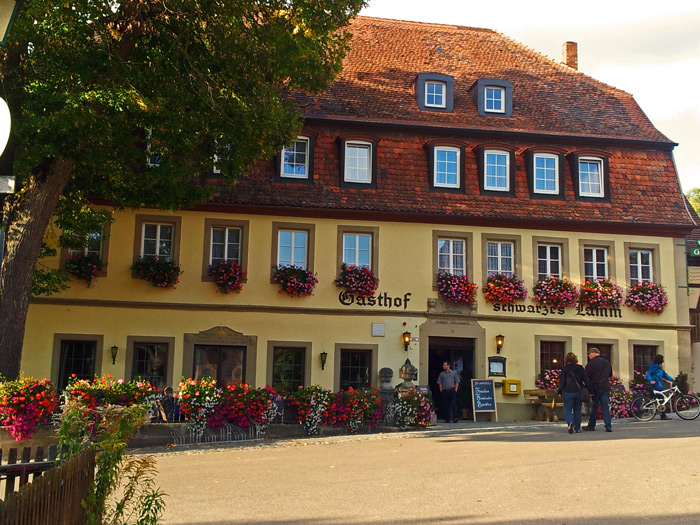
{"type": "Point", "coordinates": [450, 404]}
{"type": "Point", "coordinates": [572, 409]}
{"type": "Point", "coordinates": [600, 399]}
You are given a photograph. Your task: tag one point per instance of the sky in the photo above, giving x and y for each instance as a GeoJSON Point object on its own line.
{"type": "Point", "coordinates": [650, 49]}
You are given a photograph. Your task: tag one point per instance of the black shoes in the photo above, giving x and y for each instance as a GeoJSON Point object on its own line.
{"type": "Point", "coordinates": [588, 428]}
{"type": "Point", "coordinates": [664, 416]}
{"type": "Point", "coordinates": [571, 428]}
{"type": "Point", "coordinates": [608, 429]}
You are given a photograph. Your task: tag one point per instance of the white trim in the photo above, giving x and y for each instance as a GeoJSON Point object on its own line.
{"type": "Point", "coordinates": [595, 263]}
{"type": "Point", "coordinates": [356, 250]}
{"type": "Point", "coordinates": [443, 94]}
{"type": "Point", "coordinates": [159, 226]}
{"type": "Point", "coordinates": [507, 157]}
{"type": "Point", "coordinates": [292, 262]}
{"type": "Point", "coordinates": [360, 145]}
{"type": "Point", "coordinates": [305, 175]}
{"type": "Point", "coordinates": [601, 167]}
{"type": "Point", "coordinates": [451, 255]}
{"type": "Point", "coordinates": [502, 99]}
{"type": "Point", "coordinates": [638, 264]}
{"type": "Point", "coordinates": [556, 173]}
{"type": "Point", "coordinates": [435, 167]}
{"type": "Point", "coordinates": [227, 231]}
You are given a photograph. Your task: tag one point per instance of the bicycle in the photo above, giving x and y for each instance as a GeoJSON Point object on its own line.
{"type": "Point", "coordinates": [645, 407]}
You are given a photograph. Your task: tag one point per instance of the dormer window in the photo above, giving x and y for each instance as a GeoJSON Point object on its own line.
{"type": "Point", "coordinates": [497, 170]}
{"type": "Point", "coordinates": [589, 172]}
{"type": "Point", "coordinates": [493, 97]}
{"type": "Point", "coordinates": [434, 92]}
{"type": "Point", "coordinates": [358, 162]}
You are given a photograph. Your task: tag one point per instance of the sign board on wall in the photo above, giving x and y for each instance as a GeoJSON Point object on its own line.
{"type": "Point", "coordinates": [484, 397]}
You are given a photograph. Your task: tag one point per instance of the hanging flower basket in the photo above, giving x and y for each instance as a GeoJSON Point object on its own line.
{"type": "Point", "coordinates": [555, 291]}
{"type": "Point", "coordinates": [600, 293]}
{"type": "Point", "coordinates": [84, 266]}
{"type": "Point", "coordinates": [647, 297]}
{"type": "Point", "coordinates": [295, 281]}
{"type": "Point", "coordinates": [228, 276]}
{"type": "Point", "coordinates": [358, 280]}
{"type": "Point", "coordinates": [456, 288]}
{"type": "Point", "coordinates": [500, 288]}
{"type": "Point", "coordinates": [159, 271]}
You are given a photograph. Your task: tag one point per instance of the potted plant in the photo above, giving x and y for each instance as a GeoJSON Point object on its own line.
{"type": "Point", "coordinates": [456, 288]}
{"type": "Point", "coordinates": [161, 272]}
{"type": "Point", "coordinates": [600, 293]}
{"type": "Point", "coordinates": [506, 289]}
{"type": "Point", "coordinates": [555, 291]}
{"type": "Point", "coordinates": [84, 266]}
{"type": "Point", "coordinates": [295, 281]}
{"type": "Point", "coordinates": [357, 280]}
{"type": "Point", "coordinates": [228, 276]}
{"type": "Point", "coordinates": [647, 298]}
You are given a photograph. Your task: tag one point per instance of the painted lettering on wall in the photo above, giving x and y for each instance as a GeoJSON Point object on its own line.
{"type": "Point", "coordinates": [382, 300]}
{"type": "Point", "coordinates": [581, 310]}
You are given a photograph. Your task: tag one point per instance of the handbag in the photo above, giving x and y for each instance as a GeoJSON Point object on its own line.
{"type": "Point", "coordinates": [585, 394]}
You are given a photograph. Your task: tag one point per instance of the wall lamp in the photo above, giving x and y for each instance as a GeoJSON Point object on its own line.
{"type": "Point", "coordinates": [324, 357]}
{"type": "Point", "coordinates": [114, 351]}
{"type": "Point", "coordinates": [499, 343]}
{"type": "Point", "coordinates": [406, 338]}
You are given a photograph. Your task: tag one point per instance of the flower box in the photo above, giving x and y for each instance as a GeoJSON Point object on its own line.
{"type": "Point", "coordinates": [456, 288]}
{"type": "Point", "coordinates": [504, 289]}
{"type": "Point", "coordinates": [159, 271]}
{"type": "Point", "coordinates": [228, 276]}
{"type": "Point", "coordinates": [295, 281]}
{"type": "Point", "coordinates": [84, 266]}
{"type": "Point", "coordinates": [647, 298]}
{"type": "Point", "coordinates": [600, 293]}
{"type": "Point", "coordinates": [555, 291]}
{"type": "Point", "coordinates": [357, 280]}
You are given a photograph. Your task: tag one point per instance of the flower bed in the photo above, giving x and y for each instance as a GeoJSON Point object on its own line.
{"type": "Point", "coordinates": [600, 293]}
{"type": "Point", "coordinates": [23, 403]}
{"type": "Point", "coordinates": [355, 407]}
{"type": "Point", "coordinates": [456, 288]}
{"type": "Point", "coordinates": [505, 289]}
{"type": "Point", "coordinates": [295, 281]}
{"type": "Point", "coordinates": [198, 399]}
{"type": "Point", "coordinates": [313, 404]}
{"type": "Point", "coordinates": [84, 266]}
{"type": "Point", "coordinates": [107, 390]}
{"type": "Point", "coordinates": [555, 291]}
{"type": "Point", "coordinates": [358, 280]}
{"type": "Point", "coordinates": [228, 276]}
{"type": "Point", "coordinates": [411, 409]}
{"type": "Point", "coordinates": [159, 271]}
{"type": "Point", "coordinates": [647, 298]}
{"type": "Point", "coordinates": [243, 405]}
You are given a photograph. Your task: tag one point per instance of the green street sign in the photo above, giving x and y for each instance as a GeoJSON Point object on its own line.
{"type": "Point", "coordinates": [695, 252]}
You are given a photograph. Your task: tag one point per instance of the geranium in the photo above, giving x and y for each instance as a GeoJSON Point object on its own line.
{"type": "Point", "coordinates": [243, 406]}
{"type": "Point", "coordinates": [198, 400]}
{"type": "Point", "coordinates": [504, 289]}
{"type": "Point", "coordinates": [647, 297]}
{"type": "Point", "coordinates": [159, 271]}
{"type": "Point", "coordinates": [619, 400]}
{"type": "Point", "coordinates": [23, 403]}
{"type": "Point", "coordinates": [456, 288]}
{"type": "Point", "coordinates": [108, 390]}
{"type": "Point", "coordinates": [295, 281]}
{"type": "Point", "coordinates": [355, 407]}
{"type": "Point", "coordinates": [411, 408]}
{"type": "Point", "coordinates": [228, 276]}
{"type": "Point", "coordinates": [547, 379]}
{"type": "Point", "coordinates": [84, 266]}
{"type": "Point", "coordinates": [638, 383]}
{"type": "Point", "coordinates": [313, 405]}
{"type": "Point", "coordinates": [358, 280]}
{"type": "Point", "coordinates": [555, 291]}
{"type": "Point", "coordinates": [600, 293]}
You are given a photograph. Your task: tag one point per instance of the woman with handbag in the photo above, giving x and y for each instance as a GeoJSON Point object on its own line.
{"type": "Point", "coordinates": [573, 387]}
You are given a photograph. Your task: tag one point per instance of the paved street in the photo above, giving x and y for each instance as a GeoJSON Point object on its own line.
{"type": "Point", "coordinates": [531, 473]}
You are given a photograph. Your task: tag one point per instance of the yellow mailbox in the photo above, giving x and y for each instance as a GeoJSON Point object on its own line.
{"type": "Point", "coordinates": [511, 386]}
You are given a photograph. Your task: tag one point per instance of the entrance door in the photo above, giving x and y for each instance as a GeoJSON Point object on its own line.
{"type": "Point", "coordinates": [459, 352]}
{"type": "Point", "coordinates": [224, 363]}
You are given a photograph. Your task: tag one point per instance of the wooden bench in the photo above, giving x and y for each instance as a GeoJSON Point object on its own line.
{"type": "Point", "coordinates": [536, 398]}
{"type": "Point", "coordinates": [549, 407]}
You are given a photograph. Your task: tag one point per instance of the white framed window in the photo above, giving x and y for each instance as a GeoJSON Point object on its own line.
{"type": "Point", "coordinates": [225, 245]}
{"type": "Point", "coordinates": [494, 99]}
{"type": "Point", "coordinates": [499, 258]}
{"type": "Point", "coordinates": [358, 162]}
{"type": "Point", "coordinates": [157, 240]}
{"type": "Point", "coordinates": [641, 266]}
{"type": "Point", "coordinates": [295, 159]}
{"type": "Point", "coordinates": [590, 177]}
{"type": "Point", "coordinates": [595, 263]}
{"type": "Point", "coordinates": [435, 94]}
{"type": "Point", "coordinates": [446, 167]}
{"type": "Point", "coordinates": [292, 248]}
{"type": "Point", "coordinates": [357, 249]}
{"type": "Point", "coordinates": [546, 169]}
{"type": "Point", "coordinates": [452, 256]}
{"type": "Point", "coordinates": [152, 158]}
{"type": "Point", "coordinates": [496, 170]}
{"type": "Point", "coordinates": [548, 261]}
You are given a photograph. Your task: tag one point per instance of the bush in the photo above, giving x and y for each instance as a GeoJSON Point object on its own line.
{"type": "Point", "coordinates": [24, 402]}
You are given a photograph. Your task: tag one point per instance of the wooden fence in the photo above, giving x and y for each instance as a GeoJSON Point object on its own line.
{"type": "Point", "coordinates": [54, 495]}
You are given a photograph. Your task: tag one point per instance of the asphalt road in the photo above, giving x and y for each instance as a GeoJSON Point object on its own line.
{"type": "Point", "coordinates": [526, 473]}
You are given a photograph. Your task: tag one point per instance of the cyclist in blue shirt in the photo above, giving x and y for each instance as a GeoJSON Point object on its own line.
{"type": "Point", "coordinates": [656, 375]}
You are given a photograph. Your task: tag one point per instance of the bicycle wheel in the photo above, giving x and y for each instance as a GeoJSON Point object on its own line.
{"type": "Point", "coordinates": [643, 408]}
{"type": "Point", "coordinates": [687, 406]}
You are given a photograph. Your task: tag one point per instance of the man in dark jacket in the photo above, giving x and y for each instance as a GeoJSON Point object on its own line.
{"type": "Point", "coordinates": [599, 373]}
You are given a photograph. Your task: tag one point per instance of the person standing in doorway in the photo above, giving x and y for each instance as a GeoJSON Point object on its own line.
{"type": "Point", "coordinates": [448, 383]}
{"type": "Point", "coordinates": [571, 379]}
{"type": "Point", "coordinates": [599, 373]}
{"type": "Point", "coordinates": [656, 375]}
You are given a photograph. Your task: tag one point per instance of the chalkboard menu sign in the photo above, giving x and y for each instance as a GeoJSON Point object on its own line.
{"type": "Point", "coordinates": [483, 397]}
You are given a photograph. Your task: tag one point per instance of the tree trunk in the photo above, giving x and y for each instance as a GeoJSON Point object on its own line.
{"type": "Point", "coordinates": [26, 218]}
